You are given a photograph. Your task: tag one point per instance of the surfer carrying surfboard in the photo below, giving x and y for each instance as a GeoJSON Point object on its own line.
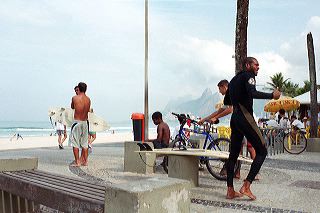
{"type": "Point", "coordinates": [80, 128]}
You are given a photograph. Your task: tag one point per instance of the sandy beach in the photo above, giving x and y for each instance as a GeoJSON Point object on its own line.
{"type": "Point", "coordinates": [52, 141]}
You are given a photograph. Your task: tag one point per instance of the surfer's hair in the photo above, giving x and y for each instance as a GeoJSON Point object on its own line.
{"type": "Point", "coordinates": [82, 87]}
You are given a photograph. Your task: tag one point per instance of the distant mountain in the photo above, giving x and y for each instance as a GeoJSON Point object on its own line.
{"type": "Point", "coordinates": [203, 106]}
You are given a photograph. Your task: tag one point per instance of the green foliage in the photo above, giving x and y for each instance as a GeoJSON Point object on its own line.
{"type": "Point", "coordinates": [287, 87]}
{"type": "Point", "coordinates": [277, 82]}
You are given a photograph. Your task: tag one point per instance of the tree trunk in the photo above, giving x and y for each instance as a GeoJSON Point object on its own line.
{"type": "Point", "coordinates": [313, 91]}
{"type": "Point", "coordinates": [241, 33]}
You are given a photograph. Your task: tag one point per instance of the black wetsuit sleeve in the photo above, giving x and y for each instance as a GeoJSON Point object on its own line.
{"type": "Point", "coordinates": [251, 89]}
{"type": "Point", "coordinates": [227, 99]}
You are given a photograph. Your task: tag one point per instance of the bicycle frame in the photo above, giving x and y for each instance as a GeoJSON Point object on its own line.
{"type": "Point", "coordinates": [197, 130]}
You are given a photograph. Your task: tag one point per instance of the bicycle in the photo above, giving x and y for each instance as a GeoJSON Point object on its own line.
{"type": "Point", "coordinates": [295, 141]}
{"type": "Point", "coordinates": [215, 166]}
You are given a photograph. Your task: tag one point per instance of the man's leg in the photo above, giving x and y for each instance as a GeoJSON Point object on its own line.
{"type": "Point", "coordinates": [236, 143]}
{"type": "Point", "coordinates": [76, 157]}
{"type": "Point", "coordinates": [84, 157]}
{"type": "Point", "coordinates": [59, 141]}
{"type": "Point", "coordinates": [253, 134]}
{"type": "Point", "coordinates": [64, 138]}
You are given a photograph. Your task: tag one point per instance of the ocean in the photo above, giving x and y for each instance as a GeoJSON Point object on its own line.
{"type": "Point", "coordinates": [44, 128]}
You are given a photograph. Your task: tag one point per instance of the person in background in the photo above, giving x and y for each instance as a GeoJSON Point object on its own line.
{"type": "Point", "coordinates": [225, 109]}
{"type": "Point", "coordinates": [61, 129]}
{"type": "Point", "coordinates": [92, 136]}
{"type": "Point", "coordinates": [283, 121]}
{"type": "Point", "coordinates": [76, 90]}
{"type": "Point", "coordinates": [163, 132]}
{"type": "Point", "coordinates": [297, 125]}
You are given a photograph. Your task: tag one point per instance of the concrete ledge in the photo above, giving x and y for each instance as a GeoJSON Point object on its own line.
{"type": "Point", "coordinates": [184, 167]}
{"type": "Point", "coordinates": [18, 164]}
{"type": "Point", "coordinates": [156, 194]}
{"type": "Point", "coordinates": [313, 145]}
{"type": "Point", "coordinates": [133, 161]}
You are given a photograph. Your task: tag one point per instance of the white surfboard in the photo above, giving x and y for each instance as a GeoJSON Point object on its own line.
{"type": "Point", "coordinates": [97, 124]}
{"type": "Point", "coordinates": [63, 115]}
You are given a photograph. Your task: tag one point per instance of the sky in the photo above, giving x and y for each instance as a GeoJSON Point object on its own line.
{"type": "Point", "coordinates": [50, 46]}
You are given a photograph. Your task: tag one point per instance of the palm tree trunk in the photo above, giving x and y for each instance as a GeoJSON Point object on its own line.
{"type": "Point", "coordinates": [241, 33]}
{"type": "Point", "coordinates": [313, 91]}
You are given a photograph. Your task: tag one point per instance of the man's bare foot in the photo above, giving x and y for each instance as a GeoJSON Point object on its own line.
{"type": "Point", "coordinates": [231, 194]}
{"type": "Point", "coordinates": [84, 163]}
{"type": "Point", "coordinates": [245, 190]}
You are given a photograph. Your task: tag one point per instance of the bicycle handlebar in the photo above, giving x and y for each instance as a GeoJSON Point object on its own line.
{"type": "Point", "coordinates": [184, 117]}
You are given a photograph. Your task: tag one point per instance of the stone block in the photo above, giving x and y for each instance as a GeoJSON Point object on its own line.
{"type": "Point", "coordinates": [313, 145]}
{"type": "Point", "coordinates": [142, 163]}
{"type": "Point", "coordinates": [184, 167]}
{"type": "Point", "coordinates": [18, 164]}
{"type": "Point", "coordinates": [197, 140]}
{"type": "Point", "coordinates": [155, 194]}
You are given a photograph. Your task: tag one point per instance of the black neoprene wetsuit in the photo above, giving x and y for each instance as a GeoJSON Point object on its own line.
{"type": "Point", "coordinates": [242, 91]}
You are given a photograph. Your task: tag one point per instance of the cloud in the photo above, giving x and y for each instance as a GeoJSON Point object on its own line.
{"type": "Point", "coordinates": [294, 51]}
{"type": "Point", "coordinates": [202, 60]}
{"type": "Point", "coordinates": [270, 64]}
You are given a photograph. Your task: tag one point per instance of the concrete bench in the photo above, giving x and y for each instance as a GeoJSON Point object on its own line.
{"type": "Point", "coordinates": [25, 190]}
{"type": "Point", "coordinates": [24, 187]}
{"type": "Point", "coordinates": [184, 164]}
{"type": "Point", "coordinates": [133, 162]}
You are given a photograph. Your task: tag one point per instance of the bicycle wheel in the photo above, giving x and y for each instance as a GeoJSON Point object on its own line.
{"type": "Point", "coordinates": [295, 143]}
{"type": "Point", "coordinates": [217, 166]}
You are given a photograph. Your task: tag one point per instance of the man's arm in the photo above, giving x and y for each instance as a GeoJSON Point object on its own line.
{"type": "Point", "coordinates": [72, 103]}
{"type": "Point", "coordinates": [211, 116]}
{"type": "Point", "coordinates": [224, 112]}
{"type": "Point", "coordinates": [251, 89]}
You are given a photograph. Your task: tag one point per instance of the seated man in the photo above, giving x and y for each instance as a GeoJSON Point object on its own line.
{"type": "Point", "coordinates": [163, 132]}
{"type": "Point", "coordinates": [296, 124]}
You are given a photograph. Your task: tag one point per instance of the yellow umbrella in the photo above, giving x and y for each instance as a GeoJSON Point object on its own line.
{"type": "Point", "coordinates": [284, 102]}
{"type": "Point", "coordinates": [218, 105]}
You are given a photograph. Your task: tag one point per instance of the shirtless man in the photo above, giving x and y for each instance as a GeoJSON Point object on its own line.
{"type": "Point", "coordinates": [163, 131]}
{"type": "Point", "coordinates": [79, 130]}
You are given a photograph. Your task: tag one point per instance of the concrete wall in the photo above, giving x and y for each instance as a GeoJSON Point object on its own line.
{"type": "Point", "coordinates": [18, 164]}
{"type": "Point", "coordinates": [154, 194]}
{"type": "Point", "coordinates": [313, 145]}
{"type": "Point", "coordinates": [133, 161]}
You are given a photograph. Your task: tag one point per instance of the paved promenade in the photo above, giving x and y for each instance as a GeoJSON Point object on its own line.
{"type": "Point", "coordinates": [290, 183]}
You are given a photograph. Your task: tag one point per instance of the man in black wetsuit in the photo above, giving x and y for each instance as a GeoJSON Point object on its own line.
{"type": "Point", "coordinates": [242, 91]}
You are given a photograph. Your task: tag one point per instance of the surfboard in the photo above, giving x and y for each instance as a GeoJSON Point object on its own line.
{"type": "Point", "coordinates": [96, 123]}
{"type": "Point", "coordinates": [65, 116]}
